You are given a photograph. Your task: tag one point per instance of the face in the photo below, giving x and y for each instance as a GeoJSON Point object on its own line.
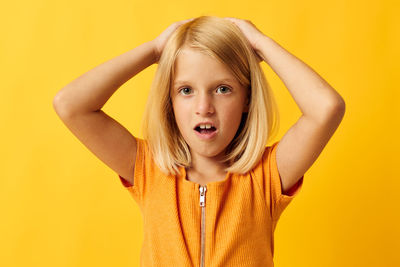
{"type": "Point", "coordinates": [204, 90]}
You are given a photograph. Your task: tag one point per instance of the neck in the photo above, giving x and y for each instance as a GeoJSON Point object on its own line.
{"type": "Point", "coordinates": [207, 166]}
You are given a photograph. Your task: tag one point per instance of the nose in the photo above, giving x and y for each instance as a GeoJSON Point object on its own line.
{"type": "Point", "coordinates": [204, 104]}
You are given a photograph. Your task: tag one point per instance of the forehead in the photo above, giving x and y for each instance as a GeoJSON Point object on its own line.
{"type": "Point", "coordinates": [191, 65]}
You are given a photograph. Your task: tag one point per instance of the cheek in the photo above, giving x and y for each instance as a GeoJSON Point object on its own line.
{"type": "Point", "coordinates": [181, 114]}
{"type": "Point", "coordinates": [231, 116]}
{"type": "Point", "coordinates": [233, 110]}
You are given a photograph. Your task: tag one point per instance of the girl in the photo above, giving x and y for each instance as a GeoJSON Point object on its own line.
{"type": "Point", "coordinates": [209, 189]}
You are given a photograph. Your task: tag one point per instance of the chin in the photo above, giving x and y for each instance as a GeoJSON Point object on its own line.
{"type": "Point", "coordinates": [207, 151]}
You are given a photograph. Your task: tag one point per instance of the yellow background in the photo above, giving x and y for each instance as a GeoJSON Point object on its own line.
{"type": "Point", "coordinates": [61, 206]}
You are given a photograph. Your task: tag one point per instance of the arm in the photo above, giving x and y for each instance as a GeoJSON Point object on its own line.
{"type": "Point", "coordinates": [91, 91]}
{"type": "Point", "coordinates": [322, 107]}
{"type": "Point", "coordinates": [79, 105]}
{"type": "Point", "coordinates": [316, 99]}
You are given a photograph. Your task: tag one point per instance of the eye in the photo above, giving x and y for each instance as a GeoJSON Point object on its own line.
{"type": "Point", "coordinates": [185, 90]}
{"type": "Point", "coordinates": [227, 89]}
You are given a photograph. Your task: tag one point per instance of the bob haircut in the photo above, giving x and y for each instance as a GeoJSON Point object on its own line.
{"type": "Point", "coordinates": [224, 41]}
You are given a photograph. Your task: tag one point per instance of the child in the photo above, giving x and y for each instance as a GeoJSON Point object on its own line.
{"type": "Point", "coordinates": [209, 189]}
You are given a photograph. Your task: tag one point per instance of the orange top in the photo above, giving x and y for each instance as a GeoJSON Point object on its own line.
{"type": "Point", "coordinates": [234, 227]}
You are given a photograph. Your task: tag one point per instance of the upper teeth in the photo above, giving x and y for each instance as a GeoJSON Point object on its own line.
{"type": "Point", "coordinates": [205, 126]}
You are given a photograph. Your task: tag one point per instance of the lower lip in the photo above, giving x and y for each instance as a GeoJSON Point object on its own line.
{"type": "Point", "coordinates": [206, 136]}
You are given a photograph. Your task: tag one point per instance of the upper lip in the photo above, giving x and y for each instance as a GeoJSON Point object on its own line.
{"type": "Point", "coordinates": [206, 122]}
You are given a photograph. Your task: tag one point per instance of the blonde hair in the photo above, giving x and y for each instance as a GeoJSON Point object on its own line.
{"type": "Point", "coordinates": [224, 41]}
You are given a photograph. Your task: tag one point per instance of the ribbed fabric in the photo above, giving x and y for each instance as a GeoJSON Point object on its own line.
{"type": "Point", "coordinates": [240, 219]}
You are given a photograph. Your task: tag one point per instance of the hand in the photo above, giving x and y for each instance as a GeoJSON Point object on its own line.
{"type": "Point", "coordinates": [160, 41]}
{"type": "Point", "coordinates": [251, 32]}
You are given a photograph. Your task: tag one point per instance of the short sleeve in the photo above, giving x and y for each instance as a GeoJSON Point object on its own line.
{"type": "Point", "coordinates": [139, 181]}
{"type": "Point", "coordinates": [273, 186]}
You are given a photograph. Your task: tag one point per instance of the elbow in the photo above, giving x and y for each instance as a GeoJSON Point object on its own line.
{"type": "Point", "coordinates": [333, 109]}
{"type": "Point", "coordinates": [56, 102]}
{"type": "Point", "coordinates": [339, 106]}
{"type": "Point", "coordinates": [59, 105]}
{"type": "Point", "coordinates": [336, 109]}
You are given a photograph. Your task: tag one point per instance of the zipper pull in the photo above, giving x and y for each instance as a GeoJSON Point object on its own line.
{"type": "Point", "coordinates": [203, 190]}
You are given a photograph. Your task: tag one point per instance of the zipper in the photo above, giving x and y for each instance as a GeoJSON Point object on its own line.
{"type": "Point", "coordinates": [203, 190]}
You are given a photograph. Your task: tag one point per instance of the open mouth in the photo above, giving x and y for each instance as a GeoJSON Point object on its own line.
{"type": "Point", "coordinates": [205, 131]}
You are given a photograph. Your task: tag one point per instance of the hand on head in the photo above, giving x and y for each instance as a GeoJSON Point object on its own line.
{"type": "Point", "coordinates": [160, 41]}
{"type": "Point", "coordinates": [251, 32]}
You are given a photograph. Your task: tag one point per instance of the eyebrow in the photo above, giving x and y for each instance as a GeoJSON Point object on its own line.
{"type": "Point", "coordinates": [229, 80]}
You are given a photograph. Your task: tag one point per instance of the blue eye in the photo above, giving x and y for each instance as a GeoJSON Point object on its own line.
{"type": "Point", "coordinates": [224, 87]}
{"type": "Point", "coordinates": [187, 90]}
{"type": "Point", "coordinates": [183, 89]}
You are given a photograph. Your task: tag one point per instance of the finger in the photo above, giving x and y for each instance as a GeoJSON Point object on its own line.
{"type": "Point", "coordinates": [186, 20]}
{"type": "Point", "coordinates": [230, 19]}
{"type": "Point", "coordinates": [234, 21]}
{"type": "Point", "coordinates": [180, 23]}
